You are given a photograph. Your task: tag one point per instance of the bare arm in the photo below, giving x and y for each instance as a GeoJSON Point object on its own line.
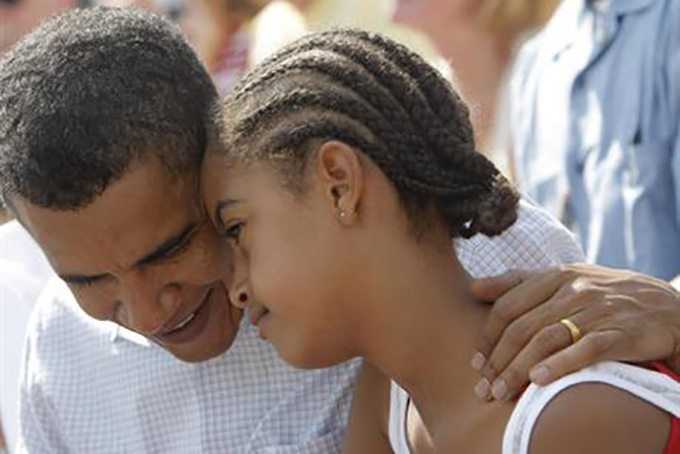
{"type": "Point", "coordinates": [623, 316]}
{"type": "Point", "coordinates": [367, 429]}
{"type": "Point", "coordinates": [594, 418]}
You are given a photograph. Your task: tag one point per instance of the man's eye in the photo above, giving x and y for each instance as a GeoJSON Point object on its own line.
{"type": "Point", "coordinates": [86, 282]}
{"type": "Point", "coordinates": [83, 281]}
{"type": "Point", "coordinates": [233, 232]}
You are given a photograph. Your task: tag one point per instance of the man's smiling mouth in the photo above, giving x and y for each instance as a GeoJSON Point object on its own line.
{"type": "Point", "coordinates": [184, 323]}
{"type": "Point", "coordinates": [191, 326]}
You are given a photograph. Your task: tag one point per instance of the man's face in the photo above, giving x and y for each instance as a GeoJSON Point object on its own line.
{"type": "Point", "coordinates": [144, 255]}
{"type": "Point", "coordinates": [18, 17]}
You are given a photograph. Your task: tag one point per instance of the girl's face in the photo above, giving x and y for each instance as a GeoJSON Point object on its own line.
{"type": "Point", "coordinates": [292, 260]}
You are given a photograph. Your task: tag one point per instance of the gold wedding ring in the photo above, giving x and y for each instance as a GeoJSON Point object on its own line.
{"type": "Point", "coordinates": [574, 330]}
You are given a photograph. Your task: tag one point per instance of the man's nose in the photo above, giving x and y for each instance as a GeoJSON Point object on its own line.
{"type": "Point", "coordinates": [147, 308]}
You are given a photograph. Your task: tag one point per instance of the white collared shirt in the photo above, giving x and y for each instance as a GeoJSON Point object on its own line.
{"type": "Point", "coordinates": [24, 271]}
{"type": "Point", "coordinates": [93, 387]}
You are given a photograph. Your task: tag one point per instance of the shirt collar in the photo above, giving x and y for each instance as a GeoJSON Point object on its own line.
{"type": "Point", "coordinates": [113, 331]}
{"type": "Point", "coordinates": [562, 31]}
{"type": "Point", "coordinates": [120, 333]}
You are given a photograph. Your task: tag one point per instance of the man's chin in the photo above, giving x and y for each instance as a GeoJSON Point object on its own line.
{"type": "Point", "coordinates": [219, 341]}
{"type": "Point", "coordinates": [202, 353]}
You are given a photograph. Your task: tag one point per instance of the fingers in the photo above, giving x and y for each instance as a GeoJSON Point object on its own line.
{"type": "Point", "coordinates": [514, 339]}
{"type": "Point", "coordinates": [505, 333]}
{"type": "Point", "coordinates": [592, 348]}
{"type": "Point", "coordinates": [622, 316]}
{"type": "Point", "coordinates": [489, 289]}
{"type": "Point", "coordinates": [514, 368]}
{"type": "Point", "coordinates": [515, 376]}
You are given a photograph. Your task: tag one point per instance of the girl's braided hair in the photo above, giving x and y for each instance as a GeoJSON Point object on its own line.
{"type": "Point", "coordinates": [373, 94]}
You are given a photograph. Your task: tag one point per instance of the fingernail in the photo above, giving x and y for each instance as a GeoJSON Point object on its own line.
{"type": "Point", "coordinates": [478, 361]}
{"type": "Point", "coordinates": [483, 388]}
{"type": "Point", "coordinates": [539, 375]}
{"type": "Point", "coordinates": [499, 390]}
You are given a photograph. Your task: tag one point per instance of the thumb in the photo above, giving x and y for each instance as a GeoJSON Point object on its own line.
{"type": "Point", "coordinates": [489, 289]}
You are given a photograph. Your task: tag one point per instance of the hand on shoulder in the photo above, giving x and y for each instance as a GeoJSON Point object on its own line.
{"type": "Point", "coordinates": [622, 316]}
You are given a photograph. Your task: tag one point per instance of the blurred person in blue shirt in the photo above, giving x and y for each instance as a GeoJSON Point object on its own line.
{"type": "Point", "coordinates": [595, 115]}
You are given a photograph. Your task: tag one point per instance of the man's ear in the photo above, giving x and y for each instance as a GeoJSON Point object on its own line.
{"type": "Point", "coordinates": [342, 176]}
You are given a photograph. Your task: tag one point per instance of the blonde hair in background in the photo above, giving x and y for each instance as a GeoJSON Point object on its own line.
{"type": "Point", "coordinates": [375, 15]}
{"type": "Point", "coordinates": [277, 24]}
{"type": "Point", "coordinates": [515, 17]}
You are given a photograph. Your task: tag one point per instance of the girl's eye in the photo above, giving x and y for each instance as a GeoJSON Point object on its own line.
{"type": "Point", "coordinates": [233, 232]}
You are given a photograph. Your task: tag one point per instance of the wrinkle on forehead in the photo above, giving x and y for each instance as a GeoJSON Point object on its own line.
{"type": "Point", "coordinates": [128, 220]}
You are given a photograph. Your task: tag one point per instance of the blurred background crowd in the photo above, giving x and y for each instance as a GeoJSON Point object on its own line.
{"type": "Point", "coordinates": [480, 36]}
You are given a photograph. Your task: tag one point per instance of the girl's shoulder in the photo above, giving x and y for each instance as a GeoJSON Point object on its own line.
{"type": "Point", "coordinates": [609, 407]}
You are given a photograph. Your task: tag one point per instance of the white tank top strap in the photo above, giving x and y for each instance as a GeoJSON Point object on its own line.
{"type": "Point", "coordinates": [397, 426]}
{"type": "Point", "coordinates": [653, 387]}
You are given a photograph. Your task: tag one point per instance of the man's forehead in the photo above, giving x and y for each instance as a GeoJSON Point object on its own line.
{"type": "Point", "coordinates": [129, 219]}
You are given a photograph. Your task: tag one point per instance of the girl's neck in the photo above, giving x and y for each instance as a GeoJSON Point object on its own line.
{"type": "Point", "coordinates": [422, 332]}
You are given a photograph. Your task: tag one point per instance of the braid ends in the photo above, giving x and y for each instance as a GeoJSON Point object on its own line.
{"type": "Point", "coordinates": [497, 211]}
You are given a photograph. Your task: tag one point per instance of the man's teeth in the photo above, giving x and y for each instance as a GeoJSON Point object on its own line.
{"type": "Point", "coordinates": [185, 322]}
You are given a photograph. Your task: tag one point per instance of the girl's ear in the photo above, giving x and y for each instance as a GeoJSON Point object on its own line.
{"type": "Point", "coordinates": [342, 177]}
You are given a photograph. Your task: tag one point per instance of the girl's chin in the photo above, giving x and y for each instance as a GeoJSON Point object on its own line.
{"type": "Point", "coordinates": [309, 359]}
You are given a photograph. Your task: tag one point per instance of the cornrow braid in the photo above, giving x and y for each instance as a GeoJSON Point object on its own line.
{"type": "Point", "coordinates": [377, 96]}
{"type": "Point", "coordinates": [407, 88]}
{"type": "Point", "coordinates": [352, 77]}
{"type": "Point", "coordinates": [339, 101]}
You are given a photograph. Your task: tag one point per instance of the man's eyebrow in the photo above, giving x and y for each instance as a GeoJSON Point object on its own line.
{"type": "Point", "coordinates": [158, 254]}
{"type": "Point", "coordinates": [168, 246]}
{"type": "Point", "coordinates": [222, 204]}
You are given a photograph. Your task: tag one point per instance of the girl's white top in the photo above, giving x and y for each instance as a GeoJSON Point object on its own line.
{"type": "Point", "coordinates": [651, 386]}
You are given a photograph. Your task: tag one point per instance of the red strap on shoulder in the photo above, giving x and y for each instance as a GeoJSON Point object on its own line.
{"type": "Point", "coordinates": [664, 369]}
{"type": "Point", "coordinates": [673, 443]}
